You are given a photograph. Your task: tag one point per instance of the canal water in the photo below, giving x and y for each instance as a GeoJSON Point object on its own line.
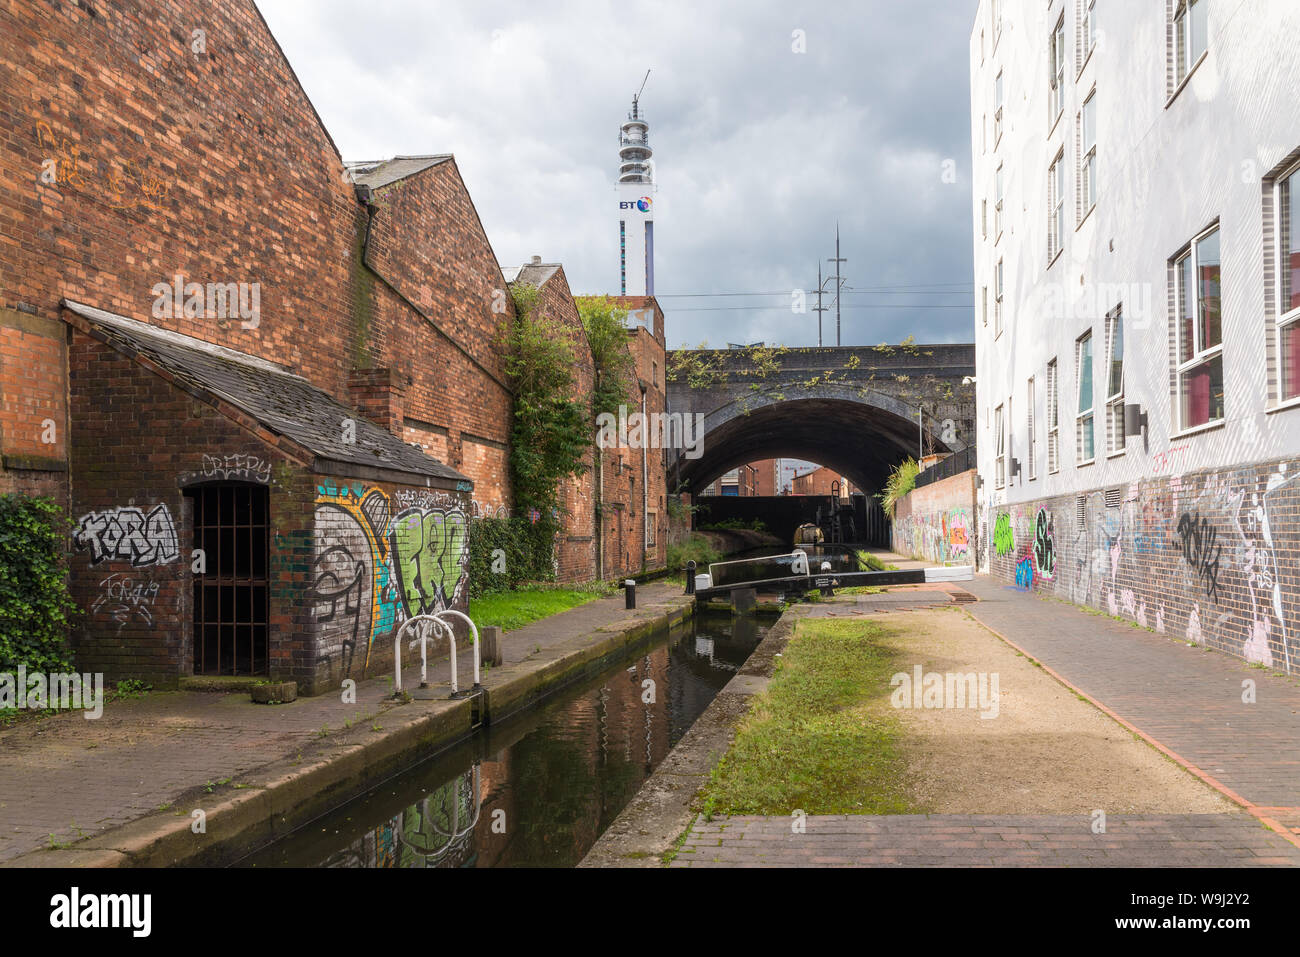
{"type": "Point", "coordinates": [537, 790]}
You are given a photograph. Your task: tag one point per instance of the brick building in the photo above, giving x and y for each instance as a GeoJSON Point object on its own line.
{"type": "Point", "coordinates": [633, 508]}
{"type": "Point", "coordinates": [821, 481]}
{"type": "Point", "coordinates": [263, 381]}
{"type": "Point", "coordinates": [575, 551]}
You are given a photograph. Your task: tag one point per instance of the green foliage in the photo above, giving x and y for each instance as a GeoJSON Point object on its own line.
{"type": "Point", "coordinates": [528, 549]}
{"type": "Point", "coordinates": [514, 609]}
{"type": "Point", "coordinates": [901, 481]}
{"type": "Point", "coordinates": [550, 435]}
{"type": "Point", "coordinates": [607, 336]}
{"type": "Point", "coordinates": [35, 606]}
{"type": "Point", "coordinates": [754, 525]}
{"type": "Point", "coordinates": [696, 548]}
{"type": "Point", "coordinates": [822, 737]}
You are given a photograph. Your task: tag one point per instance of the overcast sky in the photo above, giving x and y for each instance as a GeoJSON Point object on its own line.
{"type": "Point", "coordinates": [758, 149]}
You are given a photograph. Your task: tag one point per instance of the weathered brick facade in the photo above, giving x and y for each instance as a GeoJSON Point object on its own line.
{"type": "Point", "coordinates": [936, 522]}
{"type": "Point", "coordinates": [146, 147]}
{"type": "Point", "coordinates": [1209, 556]}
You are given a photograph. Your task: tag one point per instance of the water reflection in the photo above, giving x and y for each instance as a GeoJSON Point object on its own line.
{"type": "Point", "coordinates": [538, 791]}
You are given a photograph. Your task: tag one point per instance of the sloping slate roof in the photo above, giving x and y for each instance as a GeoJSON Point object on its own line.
{"type": "Point", "coordinates": [377, 173]}
{"type": "Point", "coordinates": [286, 403]}
{"type": "Point", "coordinates": [536, 275]}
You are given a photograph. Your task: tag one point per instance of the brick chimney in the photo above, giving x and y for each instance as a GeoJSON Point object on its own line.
{"type": "Point", "coordinates": [377, 394]}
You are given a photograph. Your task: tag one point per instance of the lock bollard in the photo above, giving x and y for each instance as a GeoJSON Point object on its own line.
{"type": "Point", "coordinates": [690, 578]}
{"type": "Point", "coordinates": [629, 593]}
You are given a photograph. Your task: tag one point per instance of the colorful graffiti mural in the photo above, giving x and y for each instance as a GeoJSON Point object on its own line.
{"type": "Point", "coordinates": [1193, 555]}
{"type": "Point", "coordinates": [1004, 539]}
{"type": "Point", "coordinates": [373, 569]}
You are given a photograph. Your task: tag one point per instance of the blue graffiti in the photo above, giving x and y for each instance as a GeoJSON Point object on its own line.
{"type": "Point", "coordinates": [1025, 573]}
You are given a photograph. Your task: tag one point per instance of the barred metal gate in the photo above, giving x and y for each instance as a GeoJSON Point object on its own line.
{"type": "Point", "coordinates": [230, 591]}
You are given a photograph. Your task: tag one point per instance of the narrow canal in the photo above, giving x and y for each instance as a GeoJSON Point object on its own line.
{"type": "Point", "coordinates": [540, 789]}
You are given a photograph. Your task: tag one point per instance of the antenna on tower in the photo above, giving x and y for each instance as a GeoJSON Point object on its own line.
{"type": "Point", "coordinates": [637, 96]}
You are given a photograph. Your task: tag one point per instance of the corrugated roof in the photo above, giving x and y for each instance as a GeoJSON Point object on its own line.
{"type": "Point", "coordinates": [377, 173]}
{"type": "Point", "coordinates": [284, 402]}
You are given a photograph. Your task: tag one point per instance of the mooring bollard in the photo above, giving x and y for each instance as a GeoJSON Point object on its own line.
{"type": "Point", "coordinates": [629, 593]}
{"type": "Point", "coordinates": [690, 578]}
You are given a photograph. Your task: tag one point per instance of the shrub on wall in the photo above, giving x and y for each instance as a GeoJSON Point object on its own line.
{"type": "Point", "coordinates": [507, 552]}
{"type": "Point", "coordinates": [901, 481]}
{"type": "Point", "coordinates": [35, 606]}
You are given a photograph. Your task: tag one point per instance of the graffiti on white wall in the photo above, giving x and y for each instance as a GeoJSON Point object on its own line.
{"type": "Point", "coordinates": [129, 534]}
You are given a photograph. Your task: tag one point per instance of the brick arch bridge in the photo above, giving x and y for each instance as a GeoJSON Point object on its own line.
{"type": "Point", "coordinates": [853, 409]}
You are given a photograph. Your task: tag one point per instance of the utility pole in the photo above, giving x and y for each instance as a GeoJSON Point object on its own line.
{"type": "Point", "coordinates": [819, 308]}
{"type": "Point", "coordinates": [838, 282]}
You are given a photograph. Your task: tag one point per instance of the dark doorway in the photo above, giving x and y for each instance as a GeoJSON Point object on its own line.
{"type": "Point", "coordinates": [230, 594]}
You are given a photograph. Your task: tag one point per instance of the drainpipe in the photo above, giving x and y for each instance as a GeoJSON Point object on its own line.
{"type": "Point", "coordinates": [600, 517]}
{"type": "Point", "coordinates": [645, 482]}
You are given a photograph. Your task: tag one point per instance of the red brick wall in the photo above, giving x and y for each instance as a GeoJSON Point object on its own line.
{"type": "Point", "coordinates": [819, 482]}
{"type": "Point", "coordinates": [33, 407]}
{"type": "Point", "coordinates": [936, 522]}
{"type": "Point", "coordinates": [213, 165]}
{"type": "Point", "coordinates": [575, 547]}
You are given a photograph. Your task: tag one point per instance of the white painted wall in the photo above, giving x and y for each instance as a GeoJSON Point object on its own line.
{"type": "Point", "coordinates": [1167, 168]}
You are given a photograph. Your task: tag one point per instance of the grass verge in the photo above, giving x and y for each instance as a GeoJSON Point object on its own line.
{"type": "Point", "coordinates": [822, 738]}
{"type": "Point", "coordinates": [514, 609]}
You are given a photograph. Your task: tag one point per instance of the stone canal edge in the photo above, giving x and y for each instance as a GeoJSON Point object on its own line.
{"type": "Point", "coordinates": [661, 811]}
{"type": "Point", "coordinates": [275, 799]}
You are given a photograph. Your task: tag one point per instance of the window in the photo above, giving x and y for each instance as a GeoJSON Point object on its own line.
{"type": "Point", "coordinates": [1190, 32]}
{"type": "Point", "coordinates": [1056, 207]}
{"type": "Point", "coordinates": [1286, 205]}
{"type": "Point", "coordinates": [997, 205]}
{"type": "Point", "coordinates": [984, 303]}
{"type": "Point", "coordinates": [997, 112]}
{"type": "Point", "coordinates": [1084, 450]}
{"type": "Point", "coordinates": [1087, 30]}
{"type": "Point", "coordinates": [1053, 421]}
{"type": "Point", "coordinates": [1199, 332]}
{"type": "Point", "coordinates": [654, 373]}
{"type": "Point", "coordinates": [997, 22]}
{"type": "Point", "coordinates": [1056, 58]}
{"type": "Point", "coordinates": [1088, 155]}
{"type": "Point", "coordinates": [997, 301]}
{"type": "Point", "coordinates": [1033, 438]}
{"type": "Point", "coordinates": [1000, 436]}
{"type": "Point", "coordinates": [981, 48]}
{"type": "Point", "coordinates": [651, 522]}
{"type": "Point", "coordinates": [984, 218]}
{"type": "Point", "coordinates": [1115, 382]}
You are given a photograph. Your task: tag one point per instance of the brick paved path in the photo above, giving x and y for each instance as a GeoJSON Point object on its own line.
{"type": "Point", "coordinates": [1183, 699]}
{"type": "Point", "coordinates": [986, 840]}
{"type": "Point", "coordinates": [71, 778]}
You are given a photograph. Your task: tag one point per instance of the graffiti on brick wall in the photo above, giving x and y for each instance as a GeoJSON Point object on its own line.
{"type": "Point", "coordinates": [125, 599]}
{"type": "Point", "coordinates": [1192, 555]}
{"type": "Point", "coordinates": [1004, 539]}
{"type": "Point", "coordinates": [956, 527]}
{"type": "Point", "coordinates": [249, 468]}
{"type": "Point", "coordinates": [374, 568]}
{"type": "Point", "coordinates": [1044, 545]}
{"type": "Point", "coordinates": [1197, 539]}
{"type": "Point", "coordinates": [1025, 573]}
{"type": "Point", "coordinates": [943, 535]}
{"type": "Point", "coordinates": [129, 534]}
